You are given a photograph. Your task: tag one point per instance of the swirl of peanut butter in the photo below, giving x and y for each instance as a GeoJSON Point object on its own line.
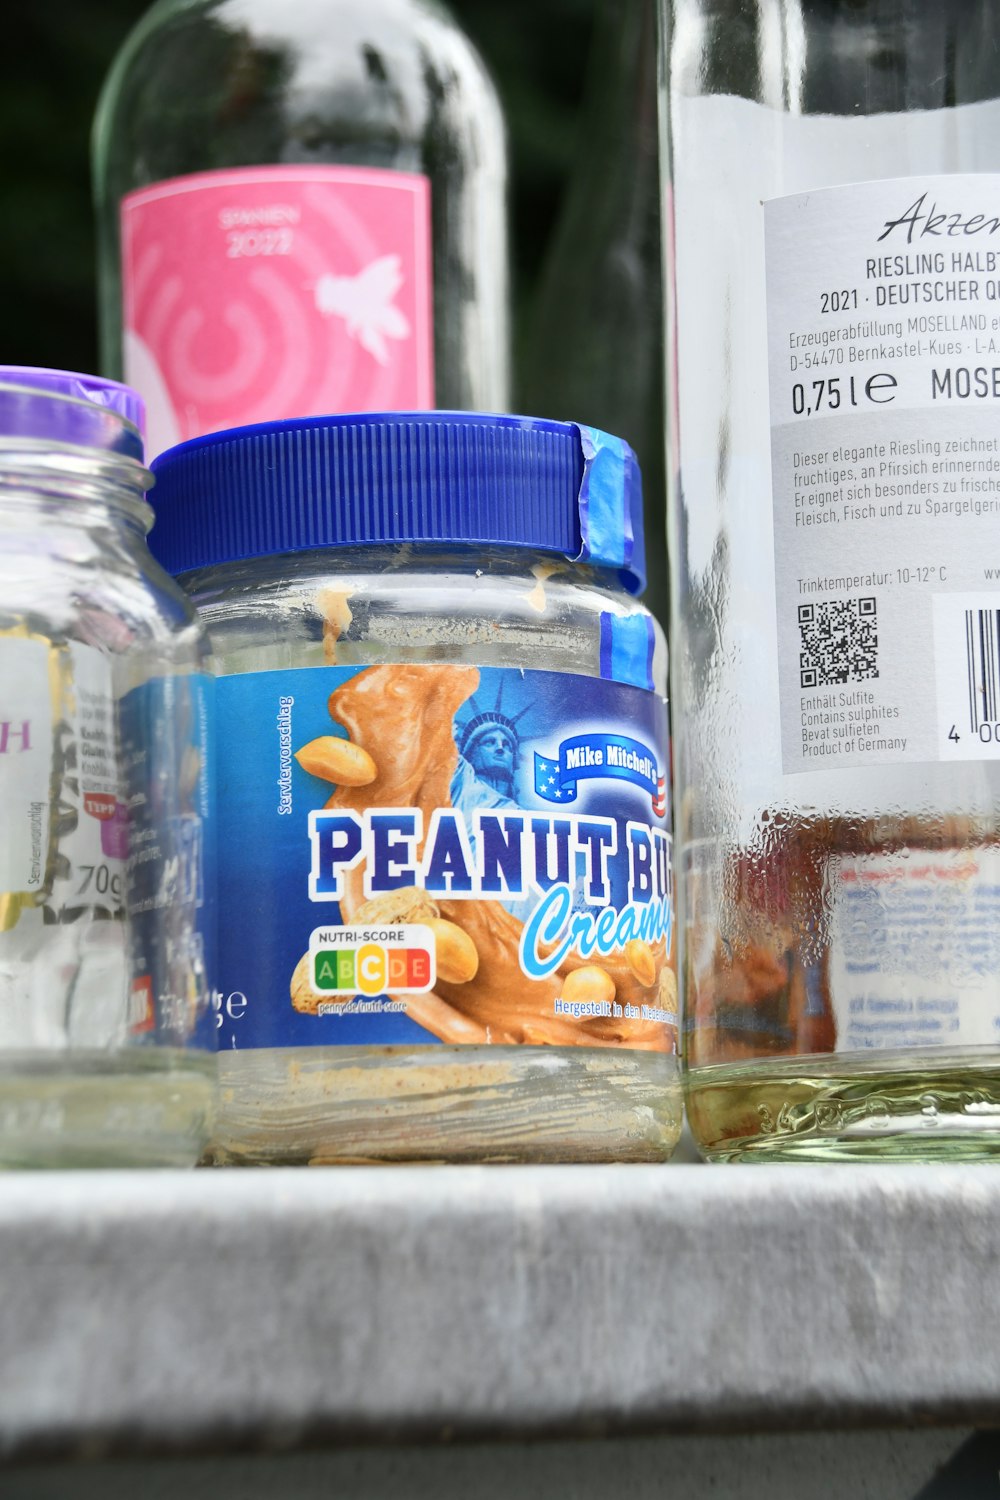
{"type": "Point", "coordinates": [403, 717]}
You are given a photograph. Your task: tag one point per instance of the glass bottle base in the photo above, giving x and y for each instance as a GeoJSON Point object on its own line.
{"type": "Point", "coordinates": [322, 1105]}
{"type": "Point", "coordinates": [135, 1108]}
{"type": "Point", "coordinates": [940, 1106]}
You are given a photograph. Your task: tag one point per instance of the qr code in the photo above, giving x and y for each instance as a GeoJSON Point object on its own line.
{"type": "Point", "coordinates": [839, 641]}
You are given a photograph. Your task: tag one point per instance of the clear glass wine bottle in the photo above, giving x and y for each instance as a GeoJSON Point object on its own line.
{"type": "Point", "coordinates": [833, 210]}
{"type": "Point", "coordinates": [301, 210]}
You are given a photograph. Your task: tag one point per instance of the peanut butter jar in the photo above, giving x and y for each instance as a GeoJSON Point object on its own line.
{"type": "Point", "coordinates": [444, 839]}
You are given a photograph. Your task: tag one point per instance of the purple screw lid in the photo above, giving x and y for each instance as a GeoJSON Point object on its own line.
{"type": "Point", "coordinates": [110, 393]}
{"type": "Point", "coordinates": [87, 411]}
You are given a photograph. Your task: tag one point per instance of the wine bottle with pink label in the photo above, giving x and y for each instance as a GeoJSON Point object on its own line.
{"type": "Point", "coordinates": [301, 210]}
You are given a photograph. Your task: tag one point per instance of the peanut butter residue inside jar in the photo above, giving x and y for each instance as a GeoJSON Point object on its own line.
{"type": "Point", "coordinates": [335, 611]}
{"type": "Point", "coordinates": [403, 716]}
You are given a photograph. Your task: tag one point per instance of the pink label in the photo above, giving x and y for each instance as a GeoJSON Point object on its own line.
{"type": "Point", "coordinates": [268, 292]}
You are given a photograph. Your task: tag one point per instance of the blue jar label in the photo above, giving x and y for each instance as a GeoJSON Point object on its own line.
{"type": "Point", "coordinates": [413, 855]}
{"type": "Point", "coordinates": [165, 729]}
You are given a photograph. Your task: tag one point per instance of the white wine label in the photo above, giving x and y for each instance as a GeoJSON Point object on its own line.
{"type": "Point", "coordinates": [25, 762]}
{"type": "Point", "coordinates": [915, 949]}
{"type": "Point", "coordinates": [883, 333]}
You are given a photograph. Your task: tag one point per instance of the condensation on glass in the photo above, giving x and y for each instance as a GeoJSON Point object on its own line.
{"type": "Point", "coordinates": [832, 198]}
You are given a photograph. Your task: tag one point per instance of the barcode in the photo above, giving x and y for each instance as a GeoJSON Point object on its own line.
{"type": "Point", "coordinates": [838, 642]}
{"type": "Point", "coordinates": [967, 675]}
{"type": "Point", "coordinates": [982, 660]}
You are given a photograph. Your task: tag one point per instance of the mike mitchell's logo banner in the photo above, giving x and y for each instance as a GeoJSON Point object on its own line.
{"type": "Point", "coordinates": [586, 757]}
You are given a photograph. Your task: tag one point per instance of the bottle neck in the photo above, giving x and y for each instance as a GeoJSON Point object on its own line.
{"type": "Point", "coordinates": [75, 485]}
{"type": "Point", "coordinates": [620, 109]}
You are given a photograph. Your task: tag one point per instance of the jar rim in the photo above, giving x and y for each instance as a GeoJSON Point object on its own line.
{"type": "Point", "coordinates": [66, 473]}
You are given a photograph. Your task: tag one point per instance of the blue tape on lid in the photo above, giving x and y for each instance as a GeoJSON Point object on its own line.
{"type": "Point", "coordinates": [609, 488]}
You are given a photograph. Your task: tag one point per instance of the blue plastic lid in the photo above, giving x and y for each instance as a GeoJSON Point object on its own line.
{"type": "Point", "coordinates": [452, 478]}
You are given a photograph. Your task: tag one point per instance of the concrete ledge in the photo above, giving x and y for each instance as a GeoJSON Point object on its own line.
{"type": "Point", "coordinates": [169, 1312]}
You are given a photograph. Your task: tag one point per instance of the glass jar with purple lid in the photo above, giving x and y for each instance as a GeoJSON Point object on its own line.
{"type": "Point", "coordinates": [106, 1034]}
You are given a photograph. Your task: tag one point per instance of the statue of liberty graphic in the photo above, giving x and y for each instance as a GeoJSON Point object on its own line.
{"type": "Point", "coordinates": [489, 746]}
{"type": "Point", "coordinates": [489, 750]}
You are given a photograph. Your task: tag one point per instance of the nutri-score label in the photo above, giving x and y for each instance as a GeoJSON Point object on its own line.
{"type": "Point", "coordinates": [429, 854]}
{"type": "Point", "coordinates": [883, 322]}
{"type": "Point", "coordinates": [259, 293]}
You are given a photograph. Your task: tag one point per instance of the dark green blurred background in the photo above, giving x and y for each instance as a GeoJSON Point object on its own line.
{"type": "Point", "coordinates": [55, 54]}
{"type": "Point", "coordinates": [577, 80]}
